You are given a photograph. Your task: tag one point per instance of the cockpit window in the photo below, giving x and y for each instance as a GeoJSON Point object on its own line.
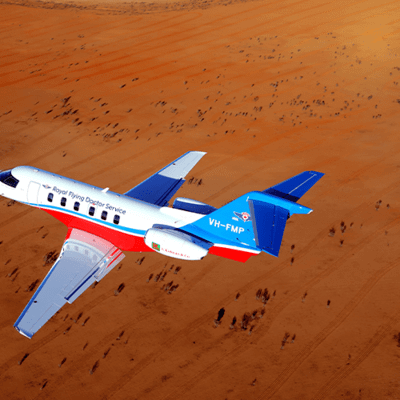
{"type": "Point", "coordinates": [7, 178]}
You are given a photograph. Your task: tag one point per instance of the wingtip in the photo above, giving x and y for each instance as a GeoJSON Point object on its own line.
{"type": "Point", "coordinates": [23, 333]}
{"type": "Point", "coordinates": [320, 174]}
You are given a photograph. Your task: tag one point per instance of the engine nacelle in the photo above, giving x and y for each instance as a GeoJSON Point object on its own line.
{"type": "Point", "coordinates": [174, 244]}
{"type": "Point", "coordinates": [182, 203]}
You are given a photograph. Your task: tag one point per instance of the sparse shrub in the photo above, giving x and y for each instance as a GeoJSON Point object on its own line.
{"type": "Point", "coordinates": [32, 286]}
{"type": "Point", "coordinates": [120, 289]}
{"type": "Point", "coordinates": [106, 352]}
{"type": "Point", "coordinates": [95, 366]}
{"type": "Point", "coordinates": [397, 337]}
{"type": "Point", "coordinates": [177, 269]}
{"type": "Point", "coordinates": [23, 358]}
{"type": "Point", "coordinates": [78, 317]}
{"type": "Point", "coordinates": [62, 362]}
{"type": "Point", "coordinates": [50, 257]}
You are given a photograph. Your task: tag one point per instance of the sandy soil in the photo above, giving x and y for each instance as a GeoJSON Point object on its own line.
{"type": "Point", "coordinates": [268, 89]}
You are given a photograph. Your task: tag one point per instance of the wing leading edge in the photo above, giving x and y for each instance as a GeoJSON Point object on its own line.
{"type": "Point", "coordinates": [84, 259]}
{"type": "Point", "coordinates": [160, 187]}
{"type": "Point", "coordinates": [295, 187]}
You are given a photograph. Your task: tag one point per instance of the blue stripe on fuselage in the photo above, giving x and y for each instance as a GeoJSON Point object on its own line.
{"type": "Point", "coordinates": [90, 219]}
{"type": "Point", "coordinates": [188, 228]}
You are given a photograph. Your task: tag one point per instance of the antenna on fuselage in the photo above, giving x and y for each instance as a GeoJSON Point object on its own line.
{"type": "Point", "coordinates": [105, 190]}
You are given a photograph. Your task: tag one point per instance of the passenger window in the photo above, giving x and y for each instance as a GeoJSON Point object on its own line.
{"type": "Point", "coordinates": [76, 206]}
{"type": "Point", "coordinates": [104, 215]}
{"type": "Point", "coordinates": [63, 201]}
{"type": "Point", "coordinates": [91, 211]}
{"type": "Point", "coordinates": [116, 219]}
{"type": "Point", "coordinates": [50, 197]}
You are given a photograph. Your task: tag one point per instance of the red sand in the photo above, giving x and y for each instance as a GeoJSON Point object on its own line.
{"type": "Point", "coordinates": [268, 89]}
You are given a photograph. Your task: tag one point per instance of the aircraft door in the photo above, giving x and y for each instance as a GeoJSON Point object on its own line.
{"type": "Point", "coordinates": [33, 192]}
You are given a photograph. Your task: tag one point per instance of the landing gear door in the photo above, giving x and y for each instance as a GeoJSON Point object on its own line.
{"type": "Point", "coordinates": [33, 193]}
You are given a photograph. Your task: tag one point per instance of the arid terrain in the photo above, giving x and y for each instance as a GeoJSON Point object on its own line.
{"type": "Point", "coordinates": [109, 93]}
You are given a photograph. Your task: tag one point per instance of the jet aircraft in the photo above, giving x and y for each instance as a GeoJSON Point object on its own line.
{"type": "Point", "coordinates": [101, 224]}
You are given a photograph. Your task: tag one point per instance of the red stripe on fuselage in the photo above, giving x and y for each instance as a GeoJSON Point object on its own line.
{"type": "Point", "coordinates": [118, 238]}
{"type": "Point", "coordinates": [128, 242]}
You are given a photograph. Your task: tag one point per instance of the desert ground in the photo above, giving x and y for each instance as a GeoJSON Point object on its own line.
{"type": "Point", "coordinates": [108, 93]}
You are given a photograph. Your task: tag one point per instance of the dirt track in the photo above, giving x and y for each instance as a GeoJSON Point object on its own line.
{"type": "Point", "coordinates": [267, 89]}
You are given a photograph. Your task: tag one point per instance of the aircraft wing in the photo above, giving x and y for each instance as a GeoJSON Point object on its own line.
{"type": "Point", "coordinates": [160, 187]}
{"type": "Point", "coordinates": [293, 188]}
{"type": "Point", "coordinates": [84, 259]}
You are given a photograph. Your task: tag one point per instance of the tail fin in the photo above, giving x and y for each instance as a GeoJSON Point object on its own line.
{"type": "Point", "coordinates": [269, 222]}
{"type": "Point", "coordinates": [253, 222]}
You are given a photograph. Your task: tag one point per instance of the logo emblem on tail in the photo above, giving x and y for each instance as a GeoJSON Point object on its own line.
{"type": "Point", "coordinates": [244, 216]}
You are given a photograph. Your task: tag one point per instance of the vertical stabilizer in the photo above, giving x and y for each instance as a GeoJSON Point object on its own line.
{"type": "Point", "coordinates": [255, 221]}
{"type": "Point", "coordinates": [269, 222]}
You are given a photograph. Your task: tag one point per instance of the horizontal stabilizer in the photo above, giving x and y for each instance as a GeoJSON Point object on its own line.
{"type": "Point", "coordinates": [293, 188]}
{"type": "Point", "coordinates": [269, 222]}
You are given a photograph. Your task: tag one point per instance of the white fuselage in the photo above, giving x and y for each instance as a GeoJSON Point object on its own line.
{"type": "Point", "coordinates": [76, 203]}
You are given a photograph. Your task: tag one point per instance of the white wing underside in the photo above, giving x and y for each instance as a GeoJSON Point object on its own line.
{"type": "Point", "coordinates": [84, 259]}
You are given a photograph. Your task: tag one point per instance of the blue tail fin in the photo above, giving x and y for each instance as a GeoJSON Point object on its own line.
{"type": "Point", "coordinates": [269, 222]}
{"type": "Point", "coordinates": [256, 221]}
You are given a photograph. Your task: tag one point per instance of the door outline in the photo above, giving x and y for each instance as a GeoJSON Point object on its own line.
{"type": "Point", "coordinates": [33, 193]}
